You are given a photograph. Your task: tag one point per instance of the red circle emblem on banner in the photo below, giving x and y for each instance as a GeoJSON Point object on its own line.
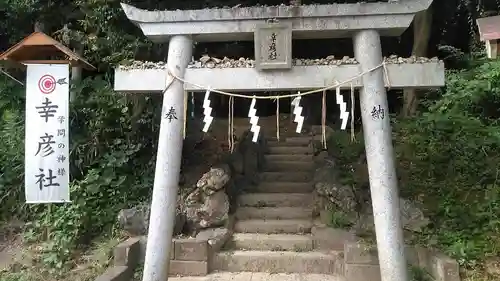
{"type": "Point", "coordinates": [47, 84]}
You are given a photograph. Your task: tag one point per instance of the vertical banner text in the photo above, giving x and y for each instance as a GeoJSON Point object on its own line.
{"type": "Point", "coordinates": [47, 135]}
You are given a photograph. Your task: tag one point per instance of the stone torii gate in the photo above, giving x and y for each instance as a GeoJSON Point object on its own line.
{"type": "Point", "coordinates": [364, 22]}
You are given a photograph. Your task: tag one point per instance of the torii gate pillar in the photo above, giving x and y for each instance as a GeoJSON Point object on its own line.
{"type": "Point", "coordinates": [168, 164]}
{"type": "Point", "coordinates": [380, 158]}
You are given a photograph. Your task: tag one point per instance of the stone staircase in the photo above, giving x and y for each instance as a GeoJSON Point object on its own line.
{"type": "Point", "coordinates": [274, 221]}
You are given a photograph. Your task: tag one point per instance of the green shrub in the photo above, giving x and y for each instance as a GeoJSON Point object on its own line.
{"type": "Point", "coordinates": [111, 161]}
{"type": "Point", "coordinates": [448, 159]}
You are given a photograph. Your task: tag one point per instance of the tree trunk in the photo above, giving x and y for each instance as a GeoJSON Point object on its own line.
{"type": "Point", "coordinates": [76, 72]}
{"type": "Point", "coordinates": [421, 33]}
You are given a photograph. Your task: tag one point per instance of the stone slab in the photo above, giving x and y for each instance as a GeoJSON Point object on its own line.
{"type": "Point", "coordinates": [278, 166]}
{"type": "Point", "coordinates": [191, 249]}
{"type": "Point", "coordinates": [302, 177]}
{"type": "Point", "coordinates": [260, 276]}
{"type": "Point", "coordinates": [357, 272]}
{"type": "Point", "coordinates": [188, 268]}
{"type": "Point", "coordinates": [273, 213]}
{"type": "Point", "coordinates": [279, 262]}
{"type": "Point", "coordinates": [299, 78]}
{"type": "Point", "coordinates": [308, 21]}
{"type": "Point", "coordinates": [216, 238]}
{"type": "Point", "coordinates": [284, 187]}
{"type": "Point", "coordinates": [272, 242]}
{"type": "Point", "coordinates": [358, 253]}
{"type": "Point", "coordinates": [116, 273]}
{"type": "Point", "coordinates": [274, 226]}
{"type": "Point", "coordinates": [444, 268]}
{"type": "Point", "coordinates": [128, 252]}
{"type": "Point", "coordinates": [275, 200]}
{"type": "Point", "coordinates": [289, 157]}
{"type": "Point", "coordinates": [326, 238]}
{"type": "Point", "coordinates": [291, 150]}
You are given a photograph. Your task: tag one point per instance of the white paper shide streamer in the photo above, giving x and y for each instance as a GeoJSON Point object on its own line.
{"type": "Point", "coordinates": [344, 114]}
{"type": "Point", "coordinates": [47, 134]}
{"type": "Point", "coordinates": [297, 111]}
{"type": "Point", "coordinates": [254, 119]}
{"type": "Point", "coordinates": [207, 111]}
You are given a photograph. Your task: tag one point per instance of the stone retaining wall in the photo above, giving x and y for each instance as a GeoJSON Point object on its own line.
{"type": "Point", "coordinates": [126, 258]}
{"type": "Point", "coordinates": [192, 256]}
{"type": "Point", "coordinates": [189, 256]}
{"type": "Point", "coordinates": [361, 261]}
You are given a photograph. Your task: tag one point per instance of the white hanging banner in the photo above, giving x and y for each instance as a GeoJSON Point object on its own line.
{"type": "Point", "coordinates": [344, 114]}
{"type": "Point", "coordinates": [297, 111]}
{"type": "Point", "coordinates": [47, 135]}
{"type": "Point", "coordinates": [207, 111]}
{"type": "Point", "coordinates": [254, 120]}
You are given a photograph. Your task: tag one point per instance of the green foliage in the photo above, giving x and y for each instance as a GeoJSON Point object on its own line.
{"type": "Point", "coordinates": [346, 159]}
{"type": "Point", "coordinates": [448, 159]}
{"type": "Point", "coordinates": [475, 91]}
{"type": "Point", "coordinates": [450, 163]}
{"type": "Point", "coordinates": [448, 154]}
{"type": "Point", "coordinates": [418, 274]}
{"type": "Point", "coordinates": [112, 143]}
{"type": "Point", "coordinates": [338, 220]}
{"type": "Point", "coordinates": [12, 149]}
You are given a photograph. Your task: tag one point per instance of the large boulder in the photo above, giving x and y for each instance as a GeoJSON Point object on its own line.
{"type": "Point", "coordinates": [354, 201]}
{"type": "Point", "coordinates": [341, 197]}
{"type": "Point", "coordinates": [136, 220]}
{"type": "Point", "coordinates": [215, 179]}
{"type": "Point", "coordinates": [208, 204]}
{"type": "Point", "coordinates": [412, 217]}
{"type": "Point", "coordinates": [205, 210]}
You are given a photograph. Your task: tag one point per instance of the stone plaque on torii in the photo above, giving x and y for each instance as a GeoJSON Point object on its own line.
{"type": "Point", "coordinates": [273, 46]}
{"type": "Point", "coordinates": [364, 22]}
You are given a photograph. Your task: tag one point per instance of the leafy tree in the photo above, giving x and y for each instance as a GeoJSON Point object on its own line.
{"type": "Point", "coordinates": [113, 136]}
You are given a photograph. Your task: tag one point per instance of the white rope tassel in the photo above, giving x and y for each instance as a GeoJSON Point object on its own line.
{"type": "Point", "coordinates": [230, 121]}
{"type": "Point", "coordinates": [353, 99]}
{"type": "Point", "coordinates": [278, 118]}
{"type": "Point", "coordinates": [229, 144]}
{"type": "Point", "coordinates": [386, 75]}
{"type": "Point", "coordinates": [185, 114]}
{"type": "Point", "coordinates": [323, 121]}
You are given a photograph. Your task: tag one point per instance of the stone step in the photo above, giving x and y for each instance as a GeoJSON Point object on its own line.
{"type": "Point", "coordinates": [273, 213]}
{"type": "Point", "coordinates": [293, 176]}
{"type": "Point", "coordinates": [275, 200]}
{"type": "Point", "coordinates": [273, 226]}
{"type": "Point", "coordinates": [272, 242]}
{"type": "Point", "coordinates": [289, 136]}
{"type": "Point", "coordinates": [280, 166]}
{"type": "Point", "coordinates": [291, 141]}
{"type": "Point", "coordinates": [289, 157]}
{"type": "Point", "coordinates": [259, 276]}
{"type": "Point", "coordinates": [279, 262]}
{"type": "Point", "coordinates": [287, 144]}
{"type": "Point", "coordinates": [285, 187]}
{"type": "Point", "coordinates": [294, 150]}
